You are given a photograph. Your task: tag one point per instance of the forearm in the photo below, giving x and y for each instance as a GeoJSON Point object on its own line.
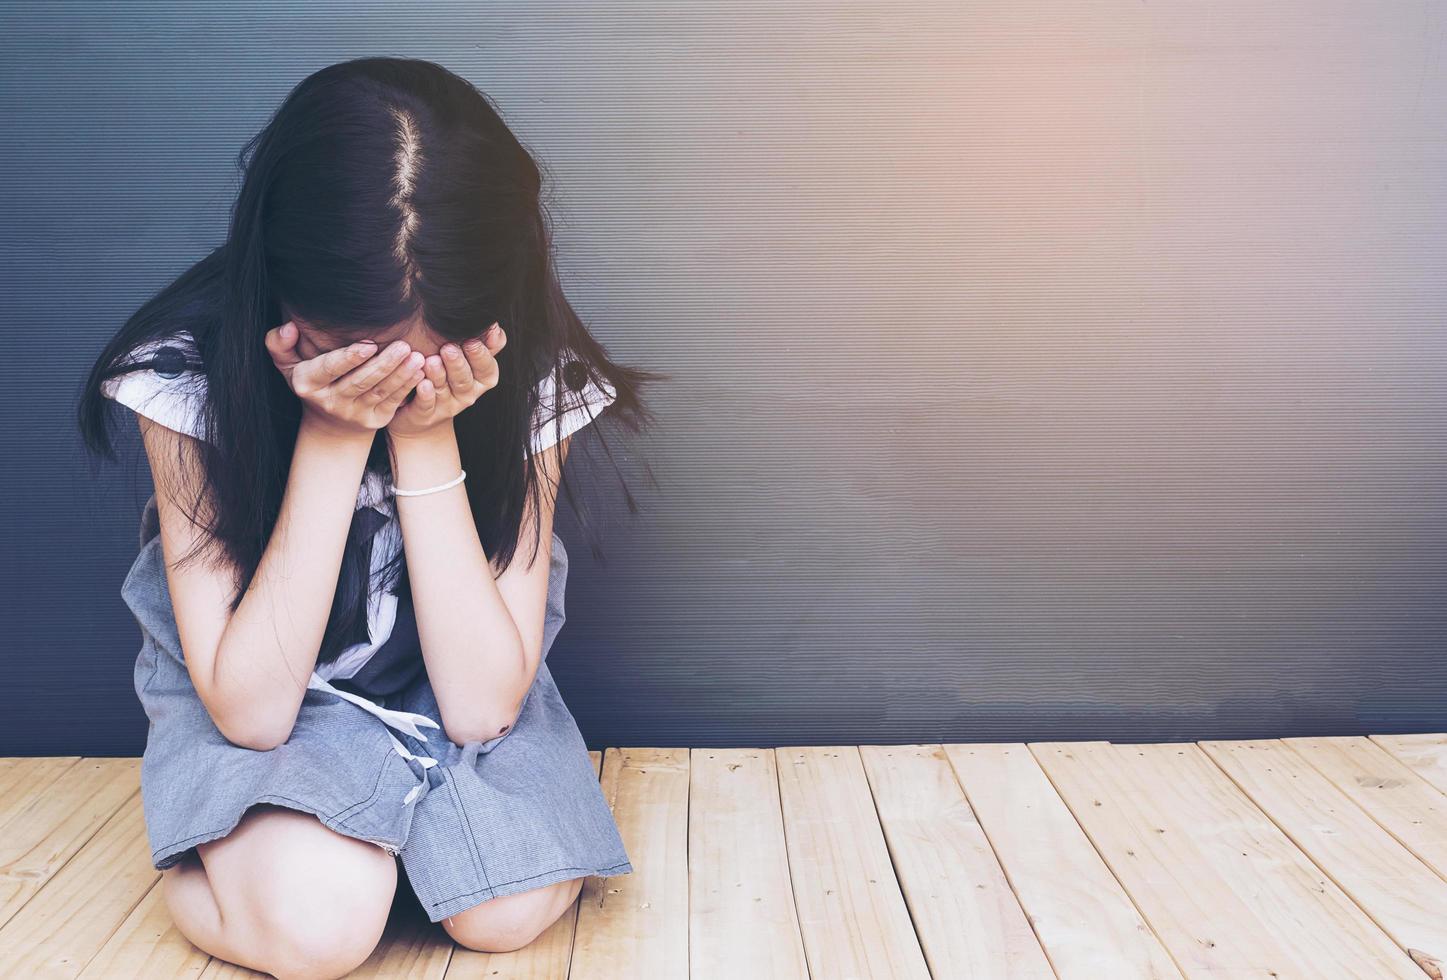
{"type": "Point", "coordinates": [269, 648]}
{"type": "Point", "coordinates": [476, 659]}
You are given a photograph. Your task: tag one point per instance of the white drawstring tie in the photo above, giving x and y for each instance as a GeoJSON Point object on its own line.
{"type": "Point", "coordinates": [406, 721]}
{"type": "Point", "coordinates": [426, 761]}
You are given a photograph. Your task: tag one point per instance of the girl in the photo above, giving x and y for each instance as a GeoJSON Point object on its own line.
{"type": "Point", "coordinates": [355, 411]}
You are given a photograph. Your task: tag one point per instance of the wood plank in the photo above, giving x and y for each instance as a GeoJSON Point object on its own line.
{"type": "Point", "coordinates": [1085, 921]}
{"type": "Point", "coordinates": [1426, 755]}
{"type": "Point", "coordinates": [43, 836]}
{"type": "Point", "coordinates": [149, 945]}
{"type": "Point", "coordinates": [76, 911]}
{"type": "Point", "coordinates": [851, 911]}
{"type": "Point", "coordinates": [965, 914]}
{"type": "Point", "coordinates": [1410, 808]}
{"type": "Point", "coordinates": [636, 925]}
{"type": "Point", "coordinates": [1226, 891]}
{"type": "Point", "coordinates": [545, 958]}
{"type": "Point", "coordinates": [1187, 836]}
{"type": "Point", "coordinates": [742, 921]}
{"type": "Point", "coordinates": [1399, 892]}
{"type": "Point", "coordinates": [25, 779]}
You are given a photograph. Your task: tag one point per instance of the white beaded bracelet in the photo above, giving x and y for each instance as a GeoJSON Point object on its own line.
{"type": "Point", "coordinates": [417, 493]}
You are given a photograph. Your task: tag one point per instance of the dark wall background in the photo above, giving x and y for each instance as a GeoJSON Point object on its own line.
{"type": "Point", "coordinates": [1039, 370]}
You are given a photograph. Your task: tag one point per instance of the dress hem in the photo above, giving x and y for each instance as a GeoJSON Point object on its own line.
{"type": "Point", "coordinates": [435, 909]}
{"type": "Point", "coordinates": [172, 853]}
{"type": "Point", "coordinates": [442, 908]}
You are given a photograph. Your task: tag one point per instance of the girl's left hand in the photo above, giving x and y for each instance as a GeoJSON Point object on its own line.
{"type": "Point", "coordinates": [454, 379]}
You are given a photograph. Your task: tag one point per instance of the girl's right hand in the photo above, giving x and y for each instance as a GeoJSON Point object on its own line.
{"type": "Point", "coordinates": [352, 387]}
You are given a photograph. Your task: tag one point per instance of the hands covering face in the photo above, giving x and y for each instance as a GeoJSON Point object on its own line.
{"type": "Point", "coordinates": [359, 387]}
{"type": "Point", "coordinates": [455, 378]}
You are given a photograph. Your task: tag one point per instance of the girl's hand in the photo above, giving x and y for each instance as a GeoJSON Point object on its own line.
{"type": "Point", "coordinates": [352, 388]}
{"type": "Point", "coordinates": [454, 380]}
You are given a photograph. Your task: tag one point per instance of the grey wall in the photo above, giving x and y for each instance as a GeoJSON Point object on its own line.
{"type": "Point", "coordinates": [1041, 370]}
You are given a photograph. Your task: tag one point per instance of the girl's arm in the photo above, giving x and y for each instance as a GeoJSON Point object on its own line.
{"type": "Point", "coordinates": [481, 636]}
{"type": "Point", "coordinates": [251, 668]}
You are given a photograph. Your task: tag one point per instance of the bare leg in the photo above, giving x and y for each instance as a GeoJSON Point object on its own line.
{"type": "Point", "coordinates": [284, 894]}
{"type": "Point", "coordinates": [512, 921]}
{"type": "Point", "coordinates": [193, 908]}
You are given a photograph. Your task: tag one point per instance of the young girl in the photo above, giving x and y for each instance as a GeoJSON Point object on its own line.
{"type": "Point", "coordinates": [356, 413]}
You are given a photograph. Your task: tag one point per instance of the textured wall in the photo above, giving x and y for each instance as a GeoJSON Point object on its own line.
{"type": "Point", "coordinates": [1041, 370]}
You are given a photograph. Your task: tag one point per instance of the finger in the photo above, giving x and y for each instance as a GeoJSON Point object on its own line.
{"type": "Point", "coordinates": [484, 366]}
{"type": "Point", "coordinates": [363, 377]}
{"type": "Point", "coordinates": [436, 373]}
{"type": "Point", "coordinates": [397, 401]}
{"type": "Point", "coordinates": [426, 397]}
{"type": "Point", "coordinates": [495, 338]}
{"type": "Point", "coordinates": [332, 365]}
{"type": "Point", "coordinates": [281, 344]}
{"type": "Point", "coordinates": [459, 372]}
{"type": "Point", "coordinates": [307, 348]}
{"type": "Point", "coordinates": [400, 381]}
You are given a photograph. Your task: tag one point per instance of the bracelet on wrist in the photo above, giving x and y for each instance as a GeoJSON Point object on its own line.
{"type": "Point", "coordinates": [393, 488]}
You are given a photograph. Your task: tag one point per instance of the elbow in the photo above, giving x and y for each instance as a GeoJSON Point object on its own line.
{"type": "Point", "coordinates": [488, 717]}
{"type": "Point", "coordinates": [243, 720]}
{"type": "Point", "coordinates": [257, 743]}
{"type": "Point", "coordinates": [251, 730]}
{"type": "Point", "coordinates": [255, 737]}
{"type": "Point", "coordinates": [243, 723]}
{"type": "Point", "coordinates": [482, 725]}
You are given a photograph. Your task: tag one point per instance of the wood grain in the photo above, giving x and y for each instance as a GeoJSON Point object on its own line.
{"type": "Point", "coordinates": [851, 911]}
{"type": "Point", "coordinates": [968, 920]}
{"type": "Point", "coordinates": [1392, 793]}
{"type": "Point", "coordinates": [742, 921]}
{"type": "Point", "coordinates": [636, 925]}
{"type": "Point", "coordinates": [1085, 921]}
{"type": "Point", "coordinates": [1227, 892]}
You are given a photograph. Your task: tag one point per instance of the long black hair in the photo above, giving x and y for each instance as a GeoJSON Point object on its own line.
{"type": "Point", "coordinates": [381, 188]}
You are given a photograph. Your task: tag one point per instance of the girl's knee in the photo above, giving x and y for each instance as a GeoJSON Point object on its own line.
{"type": "Point", "coordinates": [511, 922]}
{"type": "Point", "coordinates": [322, 928]}
{"type": "Point", "coordinates": [298, 898]}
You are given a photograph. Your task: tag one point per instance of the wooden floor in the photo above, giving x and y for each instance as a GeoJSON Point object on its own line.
{"type": "Point", "coordinates": [1303, 857]}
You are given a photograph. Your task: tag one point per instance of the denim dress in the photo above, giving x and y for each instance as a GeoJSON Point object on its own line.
{"type": "Point", "coordinates": [368, 758]}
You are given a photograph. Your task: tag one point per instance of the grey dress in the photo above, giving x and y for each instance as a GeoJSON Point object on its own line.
{"type": "Point", "coordinates": [470, 822]}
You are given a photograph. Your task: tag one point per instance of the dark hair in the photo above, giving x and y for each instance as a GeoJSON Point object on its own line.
{"type": "Point", "coordinates": [380, 189]}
